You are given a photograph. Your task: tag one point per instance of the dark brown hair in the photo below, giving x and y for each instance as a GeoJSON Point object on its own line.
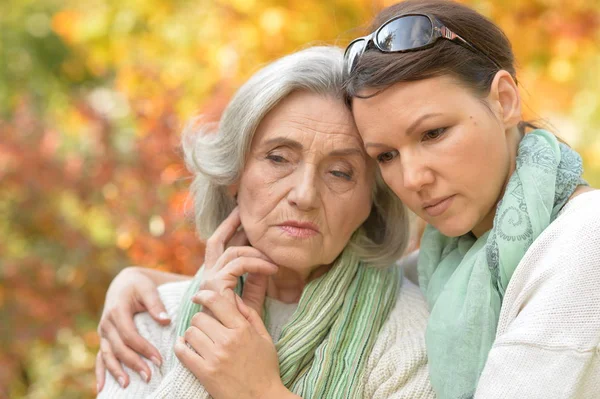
{"type": "Point", "coordinates": [472, 69]}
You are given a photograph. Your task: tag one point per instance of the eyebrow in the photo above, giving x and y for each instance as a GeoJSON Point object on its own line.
{"type": "Point", "coordinates": [411, 129]}
{"type": "Point", "coordinates": [420, 120]}
{"type": "Point", "coordinates": [284, 141]}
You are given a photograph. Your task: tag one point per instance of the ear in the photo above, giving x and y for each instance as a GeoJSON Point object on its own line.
{"type": "Point", "coordinates": [505, 93]}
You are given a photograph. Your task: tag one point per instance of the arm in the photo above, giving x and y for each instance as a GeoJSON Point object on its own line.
{"type": "Point", "coordinates": [160, 277]}
{"type": "Point", "coordinates": [161, 336]}
{"type": "Point", "coordinates": [133, 290]}
{"type": "Point", "coordinates": [547, 345]}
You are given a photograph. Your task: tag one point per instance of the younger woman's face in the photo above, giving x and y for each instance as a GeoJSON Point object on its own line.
{"type": "Point", "coordinates": [440, 148]}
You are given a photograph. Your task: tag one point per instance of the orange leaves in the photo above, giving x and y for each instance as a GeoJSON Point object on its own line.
{"type": "Point", "coordinates": [64, 24]}
{"type": "Point", "coordinates": [91, 176]}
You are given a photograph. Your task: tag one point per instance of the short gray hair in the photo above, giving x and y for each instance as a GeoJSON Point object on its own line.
{"type": "Point", "coordinates": [216, 154]}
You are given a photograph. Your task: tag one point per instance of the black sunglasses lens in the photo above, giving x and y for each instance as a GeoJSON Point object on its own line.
{"type": "Point", "coordinates": [353, 53]}
{"type": "Point", "coordinates": [405, 33]}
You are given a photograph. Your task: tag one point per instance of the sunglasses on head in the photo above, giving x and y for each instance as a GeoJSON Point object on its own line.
{"type": "Point", "coordinates": [405, 33]}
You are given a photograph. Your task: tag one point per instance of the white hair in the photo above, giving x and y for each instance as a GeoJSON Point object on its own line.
{"type": "Point", "coordinates": [216, 154]}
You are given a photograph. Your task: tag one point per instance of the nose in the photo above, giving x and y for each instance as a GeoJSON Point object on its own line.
{"type": "Point", "coordinates": [304, 192]}
{"type": "Point", "coordinates": [415, 173]}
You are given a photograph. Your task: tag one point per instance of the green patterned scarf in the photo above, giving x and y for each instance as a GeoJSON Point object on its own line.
{"type": "Point", "coordinates": [324, 347]}
{"type": "Point", "coordinates": [464, 278]}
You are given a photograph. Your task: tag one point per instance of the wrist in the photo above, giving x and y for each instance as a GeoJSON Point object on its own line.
{"type": "Point", "coordinates": [159, 277]}
{"type": "Point", "coordinates": [279, 391]}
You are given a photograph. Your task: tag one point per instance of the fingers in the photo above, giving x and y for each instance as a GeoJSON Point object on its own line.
{"type": "Point", "coordinates": [112, 364]}
{"type": "Point", "coordinates": [151, 300]}
{"type": "Point", "coordinates": [241, 266]}
{"type": "Point", "coordinates": [233, 263]}
{"type": "Point", "coordinates": [133, 342]}
{"type": "Point", "coordinates": [233, 253]}
{"type": "Point", "coordinates": [100, 372]}
{"type": "Point", "coordinates": [225, 310]}
{"type": "Point", "coordinates": [253, 317]}
{"type": "Point", "coordinates": [190, 359]}
{"type": "Point", "coordinates": [209, 325]}
{"type": "Point", "coordinates": [255, 289]}
{"type": "Point", "coordinates": [199, 341]}
{"type": "Point", "coordinates": [228, 276]}
{"type": "Point", "coordinates": [123, 354]}
{"type": "Point", "coordinates": [215, 245]}
{"type": "Point", "coordinates": [239, 239]}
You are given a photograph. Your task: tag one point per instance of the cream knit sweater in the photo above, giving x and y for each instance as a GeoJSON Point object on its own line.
{"type": "Point", "coordinates": [396, 368]}
{"type": "Point", "coordinates": [548, 339]}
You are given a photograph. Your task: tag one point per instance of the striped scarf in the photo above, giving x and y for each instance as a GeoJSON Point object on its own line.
{"type": "Point", "coordinates": [325, 345]}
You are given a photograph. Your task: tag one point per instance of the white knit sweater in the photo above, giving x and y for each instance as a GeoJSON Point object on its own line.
{"type": "Point", "coordinates": [548, 339]}
{"type": "Point", "coordinates": [396, 368]}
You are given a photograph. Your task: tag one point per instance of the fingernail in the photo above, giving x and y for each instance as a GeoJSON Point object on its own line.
{"type": "Point", "coordinates": [155, 360]}
{"type": "Point", "coordinates": [163, 316]}
{"type": "Point", "coordinates": [144, 376]}
{"type": "Point", "coordinates": [121, 382]}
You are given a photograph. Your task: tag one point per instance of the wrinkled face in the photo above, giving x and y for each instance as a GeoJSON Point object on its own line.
{"type": "Point", "coordinates": [307, 182]}
{"type": "Point", "coordinates": [440, 149]}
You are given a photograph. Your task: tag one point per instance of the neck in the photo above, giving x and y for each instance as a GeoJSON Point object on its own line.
{"type": "Point", "coordinates": [287, 284]}
{"type": "Point", "coordinates": [513, 138]}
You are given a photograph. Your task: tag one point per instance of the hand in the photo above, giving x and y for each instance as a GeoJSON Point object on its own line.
{"type": "Point", "coordinates": [132, 291]}
{"type": "Point", "coordinates": [228, 257]}
{"type": "Point", "coordinates": [233, 355]}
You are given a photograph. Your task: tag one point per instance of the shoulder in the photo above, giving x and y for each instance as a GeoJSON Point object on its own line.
{"type": "Point", "coordinates": [556, 287]}
{"type": "Point", "coordinates": [575, 234]}
{"type": "Point", "coordinates": [408, 318]}
{"type": "Point", "coordinates": [397, 366]}
{"type": "Point", "coordinates": [547, 339]}
{"type": "Point", "coordinates": [172, 294]}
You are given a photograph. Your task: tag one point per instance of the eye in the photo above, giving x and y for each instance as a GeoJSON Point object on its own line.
{"type": "Point", "coordinates": [434, 134]}
{"type": "Point", "coordinates": [342, 175]}
{"type": "Point", "coordinates": [386, 157]}
{"type": "Point", "coordinates": [276, 158]}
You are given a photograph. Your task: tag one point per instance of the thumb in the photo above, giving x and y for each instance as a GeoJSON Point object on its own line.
{"type": "Point", "coordinates": [255, 289]}
{"type": "Point", "coordinates": [156, 308]}
{"type": "Point", "coordinates": [253, 317]}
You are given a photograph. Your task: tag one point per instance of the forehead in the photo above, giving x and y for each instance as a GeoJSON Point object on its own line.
{"type": "Point", "coordinates": [310, 116]}
{"type": "Point", "coordinates": [407, 98]}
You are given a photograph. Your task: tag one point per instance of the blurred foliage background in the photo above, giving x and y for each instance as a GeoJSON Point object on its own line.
{"type": "Point", "coordinates": [93, 95]}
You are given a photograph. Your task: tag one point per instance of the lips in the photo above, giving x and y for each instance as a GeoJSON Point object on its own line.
{"type": "Point", "coordinates": [438, 206]}
{"type": "Point", "coordinates": [299, 229]}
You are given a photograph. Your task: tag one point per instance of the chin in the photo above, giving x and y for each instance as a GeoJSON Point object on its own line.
{"type": "Point", "coordinates": [452, 228]}
{"type": "Point", "coordinates": [292, 259]}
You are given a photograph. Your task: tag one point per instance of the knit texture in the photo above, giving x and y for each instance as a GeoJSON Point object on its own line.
{"type": "Point", "coordinates": [396, 367]}
{"type": "Point", "coordinates": [548, 339]}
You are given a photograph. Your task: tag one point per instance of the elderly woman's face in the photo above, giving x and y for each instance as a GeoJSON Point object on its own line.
{"type": "Point", "coordinates": [307, 182]}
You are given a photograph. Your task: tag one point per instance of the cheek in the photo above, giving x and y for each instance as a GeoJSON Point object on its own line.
{"type": "Point", "coordinates": [346, 214]}
{"type": "Point", "coordinates": [256, 198]}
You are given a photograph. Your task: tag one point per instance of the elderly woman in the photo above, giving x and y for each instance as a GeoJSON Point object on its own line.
{"type": "Point", "coordinates": [286, 168]}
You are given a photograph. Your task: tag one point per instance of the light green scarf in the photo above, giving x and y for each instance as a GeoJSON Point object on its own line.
{"type": "Point", "coordinates": [464, 278]}
{"type": "Point", "coordinates": [324, 347]}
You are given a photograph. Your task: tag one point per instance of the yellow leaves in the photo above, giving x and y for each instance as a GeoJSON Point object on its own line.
{"type": "Point", "coordinates": [94, 220]}
{"type": "Point", "coordinates": [561, 70]}
{"type": "Point", "coordinates": [592, 154]}
{"type": "Point", "coordinates": [272, 20]}
{"type": "Point", "coordinates": [244, 6]}
{"type": "Point", "coordinates": [124, 240]}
